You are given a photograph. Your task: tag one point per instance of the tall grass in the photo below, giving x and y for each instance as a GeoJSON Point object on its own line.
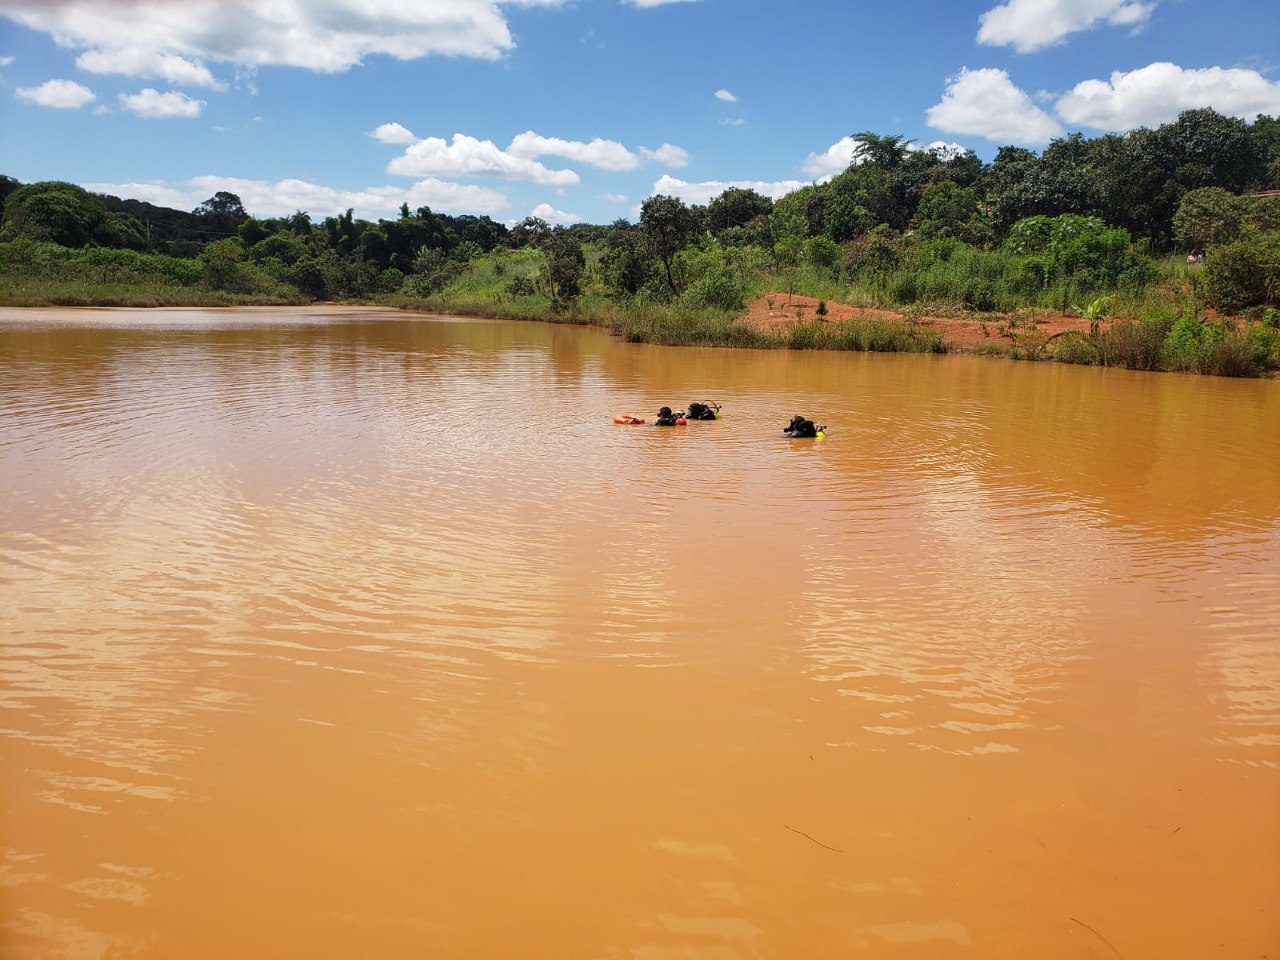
{"type": "Point", "coordinates": [45, 274]}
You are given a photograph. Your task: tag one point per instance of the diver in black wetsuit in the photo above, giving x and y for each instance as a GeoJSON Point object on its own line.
{"type": "Point", "coordinates": [703, 411]}
{"type": "Point", "coordinates": [667, 419]}
{"type": "Point", "coordinates": [800, 427]}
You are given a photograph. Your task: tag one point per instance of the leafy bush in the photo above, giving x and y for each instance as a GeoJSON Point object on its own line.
{"type": "Point", "coordinates": [1245, 273]}
{"type": "Point", "coordinates": [822, 252]}
{"type": "Point", "coordinates": [1134, 345]}
{"type": "Point", "coordinates": [1071, 246]}
{"type": "Point", "coordinates": [717, 289]}
{"type": "Point", "coordinates": [1076, 347]}
{"type": "Point", "coordinates": [1220, 349]}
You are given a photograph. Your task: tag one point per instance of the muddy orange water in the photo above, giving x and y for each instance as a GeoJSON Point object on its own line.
{"type": "Point", "coordinates": [347, 635]}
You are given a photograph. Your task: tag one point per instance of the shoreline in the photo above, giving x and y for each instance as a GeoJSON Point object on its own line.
{"type": "Point", "coordinates": [767, 336]}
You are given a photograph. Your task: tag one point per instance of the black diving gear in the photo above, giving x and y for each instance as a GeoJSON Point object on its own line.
{"type": "Point", "coordinates": [668, 419]}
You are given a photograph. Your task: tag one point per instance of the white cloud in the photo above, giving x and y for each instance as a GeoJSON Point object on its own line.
{"type": "Point", "coordinates": [705, 191]}
{"type": "Point", "coordinates": [545, 211]}
{"type": "Point", "coordinates": [6, 61]}
{"type": "Point", "coordinates": [149, 64]}
{"type": "Point", "coordinates": [281, 198]}
{"type": "Point", "coordinates": [986, 103]}
{"type": "Point", "coordinates": [393, 133]}
{"type": "Point", "coordinates": [606, 154]}
{"type": "Point", "coordinates": [835, 159]}
{"type": "Point", "coordinates": [468, 157]}
{"type": "Point", "coordinates": [735, 122]}
{"type": "Point", "coordinates": [667, 155]}
{"type": "Point", "coordinates": [1029, 25]}
{"type": "Point", "coordinates": [726, 96]}
{"type": "Point", "coordinates": [1157, 93]}
{"type": "Point", "coordinates": [58, 94]}
{"type": "Point", "coordinates": [945, 149]}
{"type": "Point", "coordinates": [151, 103]}
{"type": "Point", "coordinates": [614, 197]}
{"type": "Point", "coordinates": [331, 36]}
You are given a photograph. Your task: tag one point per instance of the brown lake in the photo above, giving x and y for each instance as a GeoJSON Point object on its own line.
{"type": "Point", "coordinates": [350, 634]}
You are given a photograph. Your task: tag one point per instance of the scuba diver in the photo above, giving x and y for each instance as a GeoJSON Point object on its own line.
{"type": "Point", "coordinates": [668, 419]}
{"type": "Point", "coordinates": [703, 411]}
{"type": "Point", "coordinates": [800, 427]}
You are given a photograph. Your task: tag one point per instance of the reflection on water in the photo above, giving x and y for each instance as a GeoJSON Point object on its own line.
{"type": "Point", "coordinates": [377, 635]}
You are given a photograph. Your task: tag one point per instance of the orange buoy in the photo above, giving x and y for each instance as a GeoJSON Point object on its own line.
{"type": "Point", "coordinates": [627, 419]}
{"type": "Point", "coordinates": [681, 421]}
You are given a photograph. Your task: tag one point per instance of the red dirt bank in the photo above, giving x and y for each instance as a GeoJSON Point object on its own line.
{"type": "Point", "coordinates": [959, 333]}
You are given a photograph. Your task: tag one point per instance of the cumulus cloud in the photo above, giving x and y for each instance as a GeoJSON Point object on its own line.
{"type": "Point", "coordinates": [615, 197]}
{"type": "Point", "coordinates": [58, 94]}
{"type": "Point", "coordinates": [1157, 93]}
{"type": "Point", "coordinates": [606, 154]}
{"type": "Point", "coordinates": [667, 155]}
{"type": "Point", "coordinates": [6, 61]}
{"type": "Point", "coordinates": [835, 159]}
{"type": "Point", "coordinates": [706, 190]}
{"type": "Point", "coordinates": [986, 103]}
{"type": "Point", "coordinates": [332, 36]}
{"type": "Point", "coordinates": [472, 157]}
{"type": "Point", "coordinates": [726, 96]}
{"type": "Point", "coordinates": [280, 198]}
{"type": "Point", "coordinates": [945, 149]}
{"type": "Point", "coordinates": [545, 211]}
{"type": "Point", "coordinates": [466, 156]}
{"type": "Point", "coordinates": [151, 103]}
{"type": "Point", "coordinates": [735, 122]}
{"type": "Point", "coordinates": [1029, 25]}
{"type": "Point", "coordinates": [149, 65]}
{"type": "Point", "coordinates": [393, 133]}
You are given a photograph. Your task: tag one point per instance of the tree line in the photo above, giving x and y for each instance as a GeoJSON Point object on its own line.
{"type": "Point", "coordinates": [1083, 215]}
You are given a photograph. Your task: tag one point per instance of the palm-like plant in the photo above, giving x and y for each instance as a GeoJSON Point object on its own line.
{"type": "Point", "coordinates": [1095, 313]}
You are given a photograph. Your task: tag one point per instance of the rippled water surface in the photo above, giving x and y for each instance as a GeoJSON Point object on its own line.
{"type": "Point", "coordinates": [347, 635]}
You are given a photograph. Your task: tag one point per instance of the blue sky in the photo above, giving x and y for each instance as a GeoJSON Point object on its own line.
{"type": "Point", "coordinates": [171, 100]}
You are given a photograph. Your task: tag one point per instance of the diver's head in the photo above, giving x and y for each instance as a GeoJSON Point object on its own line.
{"type": "Point", "coordinates": [664, 412]}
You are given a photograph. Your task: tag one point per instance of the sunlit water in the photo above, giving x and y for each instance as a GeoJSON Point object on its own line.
{"type": "Point", "coordinates": [349, 635]}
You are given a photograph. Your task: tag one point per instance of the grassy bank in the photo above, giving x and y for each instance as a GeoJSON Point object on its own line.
{"type": "Point", "coordinates": [48, 275]}
{"type": "Point", "coordinates": [1157, 325]}
{"type": "Point", "coordinates": [676, 325]}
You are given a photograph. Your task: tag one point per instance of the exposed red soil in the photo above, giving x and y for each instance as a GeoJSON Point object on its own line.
{"type": "Point", "coordinates": [960, 333]}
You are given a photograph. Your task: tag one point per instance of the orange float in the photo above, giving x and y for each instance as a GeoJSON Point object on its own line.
{"type": "Point", "coordinates": [627, 419]}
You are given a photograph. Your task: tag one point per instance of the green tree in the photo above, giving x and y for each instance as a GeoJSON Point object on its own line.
{"type": "Point", "coordinates": [432, 272]}
{"type": "Point", "coordinates": [530, 232]}
{"type": "Point", "coordinates": [1208, 215]}
{"type": "Point", "coordinates": [7, 186]}
{"type": "Point", "coordinates": [565, 265]}
{"type": "Point", "coordinates": [736, 207]}
{"type": "Point", "coordinates": [55, 212]}
{"type": "Point", "coordinates": [625, 267]}
{"type": "Point", "coordinates": [221, 215]}
{"type": "Point", "coordinates": [1261, 215]}
{"type": "Point", "coordinates": [667, 225]}
{"type": "Point", "coordinates": [949, 210]}
{"type": "Point", "coordinates": [881, 151]}
{"type": "Point", "coordinates": [221, 262]}
{"type": "Point", "coordinates": [822, 252]}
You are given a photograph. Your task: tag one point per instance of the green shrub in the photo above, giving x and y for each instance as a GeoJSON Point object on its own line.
{"type": "Point", "coordinates": [1220, 349]}
{"type": "Point", "coordinates": [1134, 345]}
{"type": "Point", "coordinates": [1076, 347]}
{"type": "Point", "coordinates": [822, 252]}
{"type": "Point", "coordinates": [1245, 273]}
{"type": "Point", "coordinates": [718, 290]}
